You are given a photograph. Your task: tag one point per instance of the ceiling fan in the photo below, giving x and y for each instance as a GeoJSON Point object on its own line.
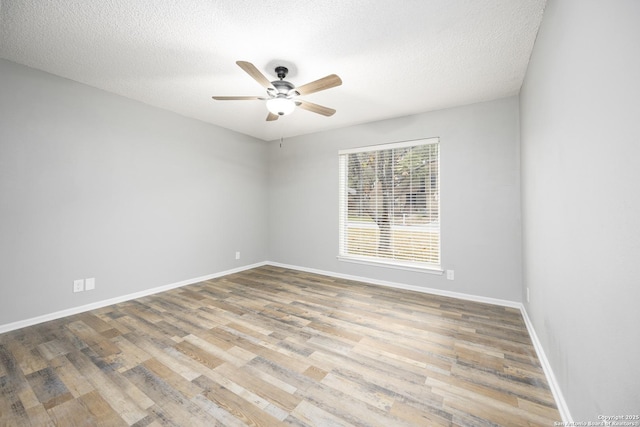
{"type": "Point", "coordinates": [282, 95]}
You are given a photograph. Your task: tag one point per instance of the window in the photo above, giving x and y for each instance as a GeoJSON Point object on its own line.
{"type": "Point", "coordinates": [390, 204]}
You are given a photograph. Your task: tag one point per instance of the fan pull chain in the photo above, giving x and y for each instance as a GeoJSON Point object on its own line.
{"type": "Point", "coordinates": [281, 132]}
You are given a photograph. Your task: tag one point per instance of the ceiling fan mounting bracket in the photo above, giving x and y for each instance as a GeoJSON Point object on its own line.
{"type": "Point", "coordinates": [281, 72]}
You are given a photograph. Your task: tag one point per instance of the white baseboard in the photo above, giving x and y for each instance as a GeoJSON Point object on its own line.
{"type": "Point", "coordinates": [548, 372]}
{"type": "Point", "coordinates": [551, 379]}
{"type": "Point", "coordinates": [80, 309]}
{"type": "Point", "coordinates": [440, 292]}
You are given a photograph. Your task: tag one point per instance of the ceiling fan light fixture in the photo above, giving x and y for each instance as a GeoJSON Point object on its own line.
{"type": "Point", "coordinates": [281, 106]}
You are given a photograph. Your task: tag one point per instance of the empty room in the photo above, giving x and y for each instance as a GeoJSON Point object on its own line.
{"type": "Point", "coordinates": [320, 213]}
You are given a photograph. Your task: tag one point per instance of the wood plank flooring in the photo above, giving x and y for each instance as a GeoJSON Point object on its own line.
{"type": "Point", "coordinates": [271, 347]}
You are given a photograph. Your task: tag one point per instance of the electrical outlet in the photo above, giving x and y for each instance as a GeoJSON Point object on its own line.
{"type": "Point", "coordinates": [90, 284]}
{"type": "Point", "coordinates": [449, 274]}
{"type": "Point", "coordinates": [78, 285]}
{"type": "Point", "coordinates": [238, 255]}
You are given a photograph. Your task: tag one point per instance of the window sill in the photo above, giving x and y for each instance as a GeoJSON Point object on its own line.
{"type": "Point", "coordinates": [396, 265]}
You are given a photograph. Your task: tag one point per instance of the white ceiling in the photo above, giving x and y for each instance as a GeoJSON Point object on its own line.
{"type": "Point", "coordinates": [395, 57]}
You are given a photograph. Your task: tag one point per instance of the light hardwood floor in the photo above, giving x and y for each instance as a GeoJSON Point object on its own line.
{"type": "Point", "coordinates": [269, 347]}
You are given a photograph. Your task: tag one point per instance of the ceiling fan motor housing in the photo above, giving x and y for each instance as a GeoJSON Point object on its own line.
{"type": "Point", "coordinates": [283, 86]}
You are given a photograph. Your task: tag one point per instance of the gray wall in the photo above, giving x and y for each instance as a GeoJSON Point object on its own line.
{"type": "Point", "coordinates": [580, 115]}
{"type": "Point", "coordinates": [480, 198]}
{"type": "Point", "coordinates": [96, 185]}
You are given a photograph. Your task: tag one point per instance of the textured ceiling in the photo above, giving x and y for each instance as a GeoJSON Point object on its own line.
{"type": "Point", "coordinates": [395, 57]}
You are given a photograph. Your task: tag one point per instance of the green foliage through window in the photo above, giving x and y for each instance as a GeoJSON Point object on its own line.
{"type": "Point", "coordinates": [390, 203]}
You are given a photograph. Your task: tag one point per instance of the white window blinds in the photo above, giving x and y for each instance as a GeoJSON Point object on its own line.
{"type": "Point", "coordinates": [390, 203]}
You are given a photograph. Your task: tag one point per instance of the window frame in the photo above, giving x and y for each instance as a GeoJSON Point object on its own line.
{"type": "Point", "coordinates": [343, 202]}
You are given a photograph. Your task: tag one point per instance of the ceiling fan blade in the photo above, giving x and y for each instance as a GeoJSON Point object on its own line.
{"type": "Point", "coordinates": [315, 108]}
{"type": "Point", "coordinates": [324, 83]}
{"type": "Point", "coordinates": [271, 117]}
{"type": "Point", "coordinates": [251, 69]}
{"type": "Point", "coordinates": [236, 98]}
